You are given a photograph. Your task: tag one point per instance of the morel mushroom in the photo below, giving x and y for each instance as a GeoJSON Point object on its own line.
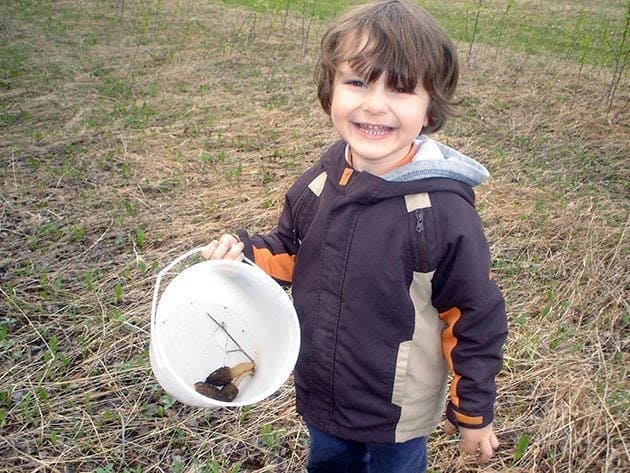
{"type": "Point", "coordinates": [213, 392]}
{"type": "Point", "coordinates": [226, 375]}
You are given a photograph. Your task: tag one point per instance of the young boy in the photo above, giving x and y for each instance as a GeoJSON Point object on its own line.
{"type": "Point", "coordinates": [386, 255]}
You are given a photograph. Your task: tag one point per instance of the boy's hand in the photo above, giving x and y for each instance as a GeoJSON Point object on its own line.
{"type": "Point", "coordinates": [226, 247]}
{"type": "Point", "coordinates": [478, 442]}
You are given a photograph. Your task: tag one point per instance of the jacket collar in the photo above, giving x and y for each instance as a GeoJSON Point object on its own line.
{"type": "Point", "coordinates": [410, 178]}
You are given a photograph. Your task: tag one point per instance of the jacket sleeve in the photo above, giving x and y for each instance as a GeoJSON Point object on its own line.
{"type": "Point", "coordinates": [472, 307]}
{"type": "Point", "coordinates": [274, 252]}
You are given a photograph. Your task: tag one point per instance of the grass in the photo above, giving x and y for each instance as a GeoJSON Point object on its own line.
{"type": "Point", "coordinates": [132, 131]}
{"type": "Point", "coordinates": [590, 32]}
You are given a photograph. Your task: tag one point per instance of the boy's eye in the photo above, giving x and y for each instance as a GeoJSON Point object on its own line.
{"type": "Point", "coordinates": [355, 82]}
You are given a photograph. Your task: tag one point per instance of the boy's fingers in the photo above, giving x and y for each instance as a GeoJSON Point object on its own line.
{"type": "Point", "coordinates": [494, 441]}
{"type": "Point", "coordinates": [448, 427]}
{"type": "Point", "coordinates": [218, 249]}
{"type": "Point", "coordinates": [227, 239]}
{"type": "Point", "coordinates": [236, 252]}
{"type": "Point", "coordinates": [221, 250]}
{"type": "Point", "coordinates": [226, 247]}
{"type": "Point", "coordinates": [209, 250]}
{"type": "Point", "coordinates": [485, 452]}
{"type": "Point", "coordinates": [468, 447]}
{"type": "Point", "coordinates": [488, 448]}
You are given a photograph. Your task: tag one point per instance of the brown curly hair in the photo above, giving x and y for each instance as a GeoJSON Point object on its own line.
{"type": "Point", "coordinates": [402, 40]}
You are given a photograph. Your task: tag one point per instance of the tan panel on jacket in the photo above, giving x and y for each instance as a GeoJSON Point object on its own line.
{"type": "Point", "coordinates": [420, 384]}
{"type": "Point", "coordinates": [421, 372]}
{"type": "Point", "coordinates": [317, 184]}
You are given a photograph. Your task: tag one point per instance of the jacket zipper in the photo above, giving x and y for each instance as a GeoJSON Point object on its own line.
{"type": "Point", "coordinates": [419, 221]}
{"type": "Point", "coordinates": [423, 254]}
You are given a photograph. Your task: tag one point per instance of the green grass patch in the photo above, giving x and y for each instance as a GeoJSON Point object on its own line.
{"type": "Point", "coordinates": [590, 32]}
{"type": "Point", "coordinates": [311, 8]}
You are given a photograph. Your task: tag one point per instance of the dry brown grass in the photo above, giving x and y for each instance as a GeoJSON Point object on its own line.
{"type": "Point", "coordinates": [132, 133]}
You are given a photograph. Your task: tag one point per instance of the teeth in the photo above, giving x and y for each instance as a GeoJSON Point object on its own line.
{"type": "Point", "coordinates": [374, 129]}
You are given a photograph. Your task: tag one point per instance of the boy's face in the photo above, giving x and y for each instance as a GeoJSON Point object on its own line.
{"type": "Point", "coordinates": [377, 122]}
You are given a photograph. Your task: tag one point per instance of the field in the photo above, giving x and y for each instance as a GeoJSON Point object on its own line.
{"type": "Point", "coordinates": [132, 131]}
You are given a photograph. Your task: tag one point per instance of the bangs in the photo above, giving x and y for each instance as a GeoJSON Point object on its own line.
{"type": "Point", "coordinates": [372, 53]}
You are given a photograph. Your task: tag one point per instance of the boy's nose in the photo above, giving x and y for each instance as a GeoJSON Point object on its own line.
{"type": "Point", "coordinates": [375, 101]}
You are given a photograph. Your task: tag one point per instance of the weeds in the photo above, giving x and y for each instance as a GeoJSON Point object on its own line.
{"type": "Point", "coordinates": [620, 52]}
{"type": "Point", "coordinates": [474, 32]}
{"type": "Point", "coordinates": [131, 134]}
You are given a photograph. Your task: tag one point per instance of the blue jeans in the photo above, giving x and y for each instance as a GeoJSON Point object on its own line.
{"type": "Point", "coordinates": [333, 455]}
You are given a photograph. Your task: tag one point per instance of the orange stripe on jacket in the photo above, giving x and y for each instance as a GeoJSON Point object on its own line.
{"type": "Point", "coordinates": [278, 266]}
{"type": "Point", "coordinates": [474, 420]}
{"type": "Point", "coordinates": [405, 160]}
{"type": "Point", "coordinates": [345, 177]}
{"type": "Point", "coordinates": [449, 342]}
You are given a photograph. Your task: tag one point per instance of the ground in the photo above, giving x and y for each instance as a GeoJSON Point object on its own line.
{"type": "Point", "coordinates": [131, 132]}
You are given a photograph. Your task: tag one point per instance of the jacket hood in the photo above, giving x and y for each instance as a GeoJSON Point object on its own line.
{"type": "Point", "coordinates": [435, 159]}
{"type": "Point", "coordinates": [435, 168]}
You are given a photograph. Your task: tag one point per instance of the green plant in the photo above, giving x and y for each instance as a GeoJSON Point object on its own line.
{"type": "Point", "coordinates": [77, 233]}
{"type": "Point", "coordinates": [27, 407]}
{"type": "Point", "coordinates": [140, 238]}
{"type": "Point", "coordinates": [126, 170]}
{"type": "Point", "coordinates": [118, 292]}
{"type": "Point", "coordinates": [45, 231]}
{"type": "Point", "coordinates": [211, 158]}
{"type": "Point", "coordinates": [270, 437]}
{"type": "Point", "coordinates": [13, 62]}
{"type": "Point", "coordinates": [166, 402]}
{"type": "Point", "coordinates": [130, 208]}
{"type": "Point", "coordinates": [89, 279]}
{"type": "Point", "coordinates": [109, 468]}
{"type": "Point", "coordinates": [620, 58]}
{"type": "Point", "coordinates": [213, 467]}
{"type": "Point", "coordinates": [521, 448]}
{"type": "Point", "coordinates": [10, 119]}
{"type": "Point", "coordinates": [139, 115]}
{"type": "Point", "coordinates": [137, 469]}
{"type": "Point", "coordinates": [114, 87]}
{"type": "Point", "coordinates": [42, 394]}
{"type": "Point", "coordinates": [178, 466]}
{"type": "Point", "coordinates": [233, 174]}
{"type": "Point", "coordinates": [5, 342]}
{"type": "Point", "coordinates": [245, 411]}
{"type": "Point", "coordinates": [475, 30]}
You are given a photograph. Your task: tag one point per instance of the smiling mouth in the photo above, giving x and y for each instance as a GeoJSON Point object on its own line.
{"type": "Point", "coordinates": [373, 130]}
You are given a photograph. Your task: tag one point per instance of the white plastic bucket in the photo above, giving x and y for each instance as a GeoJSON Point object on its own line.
{"type": "Point", "coordinates": [250, 311]}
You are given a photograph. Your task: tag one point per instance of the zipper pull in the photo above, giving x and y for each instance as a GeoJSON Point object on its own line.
{"type": "Point", "coordinates": [419, 220]}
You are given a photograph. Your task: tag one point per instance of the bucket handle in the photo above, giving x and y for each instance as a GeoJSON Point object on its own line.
{"type": "Point", "coordinates": [156, 292]}
{"type": "Point", "coordinates": [168, 267]}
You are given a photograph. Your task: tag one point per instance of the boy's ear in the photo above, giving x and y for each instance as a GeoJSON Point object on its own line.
{"type": "Point", "coordinates": [427, 115]}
